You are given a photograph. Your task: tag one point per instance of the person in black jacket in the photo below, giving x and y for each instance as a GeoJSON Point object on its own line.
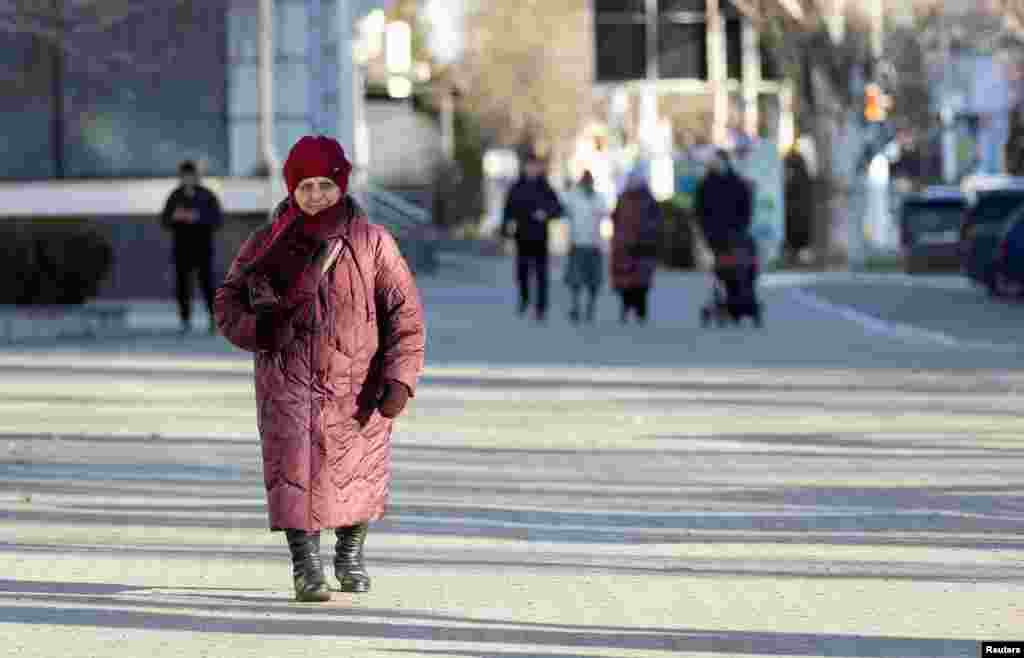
{"type": "Point", "coordinates": [531, 204]}
{"type": "Point", "coordinates": [192, 214]}
{"type": "Point", "coordinates": [725, 205]}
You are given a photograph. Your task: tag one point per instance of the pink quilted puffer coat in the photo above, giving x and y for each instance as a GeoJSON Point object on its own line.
{"type": "Point", "coordinates": [321, 368]}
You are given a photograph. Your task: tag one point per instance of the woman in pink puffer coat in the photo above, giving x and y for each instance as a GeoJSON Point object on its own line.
{"type": "Point", "coordinates": [329, 307]}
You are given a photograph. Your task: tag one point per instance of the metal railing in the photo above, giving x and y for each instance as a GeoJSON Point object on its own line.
{"type": "Point", "coordinates": [411, 225]}
{"type": "Point", "coordinates": [391, 210]}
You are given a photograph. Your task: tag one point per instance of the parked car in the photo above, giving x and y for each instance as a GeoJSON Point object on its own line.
{"type": "Point", "coordinates": [1008, 267]}
{"type": "Point", "coordinates": [988, 211]}
{"type": "Point", "coordinates": [930, 229]}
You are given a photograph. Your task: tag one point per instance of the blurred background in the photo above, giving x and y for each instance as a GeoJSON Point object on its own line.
{"type": "Point", "coordinates": [835, 109]}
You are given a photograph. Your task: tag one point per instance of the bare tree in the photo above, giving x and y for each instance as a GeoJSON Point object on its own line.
{"type": "Point", "coordinates": [829, 50]}
{"type": "Point", "coordinates": [529, 65]}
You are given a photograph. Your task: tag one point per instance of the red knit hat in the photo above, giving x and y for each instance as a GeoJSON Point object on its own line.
{"type": "Point", "coordinates": [312, 157]}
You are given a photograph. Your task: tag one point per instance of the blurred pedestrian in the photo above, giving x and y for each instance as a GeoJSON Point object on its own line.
{"type": "Point", "coordinates": [798, 193]}
{"type": "Point", "coordinates": [634, 251]}
{"type": "Point", "coordinates": [332, 312]}
{"type": "Point", "coordinates": [193, 215]}
{"type": "Point", "coordinates": [586, 210]}
{"type": "Point", "coordinates": [724, 204]}
{"type": "Point", "coordinates": [1014, 154]}
{"type": "Point", "coordinates": [531, 204]}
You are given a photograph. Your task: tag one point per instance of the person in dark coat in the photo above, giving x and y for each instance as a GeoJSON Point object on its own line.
{"type": "Point", "coordinates": [193, 215]}
{"type": "Point", "coordinates": [798, 194]}
{"type": "Point", "coordinates": [637, 220]}
{"type": "Point", "coordinates": [724, 204]}
{"type": "Point", "coordinates": [1014, 149]}
{"type": "Point", "coordinates": [530, 205]}
{"type": "Point", "coordinates": [331, 310]}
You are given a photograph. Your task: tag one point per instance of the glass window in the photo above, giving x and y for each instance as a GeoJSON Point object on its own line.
{"type": "Point", "coordinates": [734, 49]}
{"type": "Point", "coordinates": [328, 14]}
{"type": "Point", "coordinates": [682, 50]}
{"type": "Point", "coordinates": [243, 32]}
{"type": "Point", "coordinates": [291, 87]}
{"type": "Point", "coordinates": [287, 132]}
{"type": "Point", "coordinates": [245, 147]}
{"type": "Point", "coordinates": [292, 28]}
{"type": "Point", "coordinates": [26, 109]}
{"type": "Point", "coordinates": [612, 6]}
{"type": "Point", "coordinates": [621, 51]}
{"type": "Point", "coordinates": [244, 92]}
{"type": "Point", "coordinates": [329, 68]}
{"type": "Point", "coordinates": [688, 6]}
{"type": "Point", "coordinates": [996, 207]}
{"type": "Point", "coordinates": [931, 218]}
{"type": "Point", "coordinates": [148, 93]}
{"type": "Point", "coordinates": [770, 69]}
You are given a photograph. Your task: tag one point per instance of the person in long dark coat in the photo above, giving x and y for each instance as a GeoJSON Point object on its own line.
{"type": "Point", "coordinates": [634, 246]}
{"type": "Point", "coordinates": [193, 215]}
{"type": "Point", "coordinates": [1014, 150]}
{"type": "Point", "coordinates": [724, 204]}
{"type": "Point", "coordinates": [330, 308]}
{"type": "Point", "coordinates": [798, 194]}
{"type": "Point", "coordinates": [530, 206]}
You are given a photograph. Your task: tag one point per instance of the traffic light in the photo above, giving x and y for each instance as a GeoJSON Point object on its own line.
{"type": "Point", "coordinates": [876, 104]}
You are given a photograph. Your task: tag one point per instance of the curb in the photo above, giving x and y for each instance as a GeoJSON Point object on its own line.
{"type": "Point", "coordinates": [786, 279]}
{"type": "Point", "coordinates": [23, 324]}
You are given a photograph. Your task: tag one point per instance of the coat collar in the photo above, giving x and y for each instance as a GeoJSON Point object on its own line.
{"type": "Point", "coordinates": [352, 226]}
{"type": "Point", "coordinates": [350, 221]}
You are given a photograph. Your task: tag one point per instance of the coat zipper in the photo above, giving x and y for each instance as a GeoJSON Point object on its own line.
{"type": "Point", "coordinates": [314, 374]}
{"type": "Point", "coordinates": [312, 417]}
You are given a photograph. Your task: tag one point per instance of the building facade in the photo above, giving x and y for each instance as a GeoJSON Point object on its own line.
{"type": "Point", "coordinates": [173, 83]}
{"type": "Point", "coordinates": [92, 133]}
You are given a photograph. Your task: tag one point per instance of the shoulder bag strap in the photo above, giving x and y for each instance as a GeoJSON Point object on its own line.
{"type": "Point", "coordinates": [332, 256]}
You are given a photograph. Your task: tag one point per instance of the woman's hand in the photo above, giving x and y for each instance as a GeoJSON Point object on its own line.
{"type": "Point", "coordinates": [262, 297]}
{"type": "Point", "coordinates": [394, 399]}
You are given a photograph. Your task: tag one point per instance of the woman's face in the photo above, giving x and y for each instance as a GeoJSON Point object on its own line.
{"type": "Point", "coordinates": [316, 194]}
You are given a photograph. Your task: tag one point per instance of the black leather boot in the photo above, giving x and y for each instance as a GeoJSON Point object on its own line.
{"type": "Point", "coordinates": [307, 568]}
{"type": "Point", "coordinates": [348, 559]}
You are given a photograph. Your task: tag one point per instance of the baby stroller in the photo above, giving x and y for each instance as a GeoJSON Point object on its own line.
{"type": "Point", "coordinates": [734, 286]}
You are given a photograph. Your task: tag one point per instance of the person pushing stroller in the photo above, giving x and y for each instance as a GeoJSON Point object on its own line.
{"type": "Point", "coordinates": [725, 208]}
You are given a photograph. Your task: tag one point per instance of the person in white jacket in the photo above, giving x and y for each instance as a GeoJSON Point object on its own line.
{"type": "Point", "coordinates": [585, 210]}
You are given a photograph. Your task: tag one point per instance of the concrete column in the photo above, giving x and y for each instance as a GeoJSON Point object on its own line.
{"type": "Point", "coordinates": [648, 110]}
{"type": "Point", "coordinates": [347, 79]}
{"type": "Point", "coordinates": [751, 78]}
{"type": "Point", "coordinates": [717, 73]}
{"type": "Point", "coordinates": [268, 151]}
{"type": "Point", "coordinates": [266, 85]}
{"type": "Point", "coordinates": [360, 127]}
{"type": "Point", "coordinates": [651, 12]}
{"type": "Point", "coordinates": [314, 50]}
{"type": "Point", "coordinates": [787, 117]}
